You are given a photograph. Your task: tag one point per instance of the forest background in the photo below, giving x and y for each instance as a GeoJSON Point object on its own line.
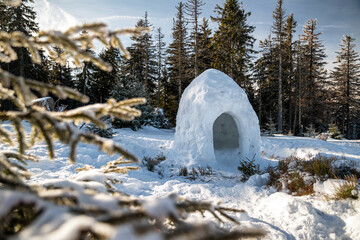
{"type": "Point", "coordinates": [288, 81]}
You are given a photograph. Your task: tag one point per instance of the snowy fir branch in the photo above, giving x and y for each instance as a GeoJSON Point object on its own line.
{"type": "Point", "coordinates": [71, 214]}
{"type": "Point", "coordinates": [74, 44]}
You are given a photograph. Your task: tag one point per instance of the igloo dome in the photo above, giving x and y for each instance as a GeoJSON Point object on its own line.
{"type": "Point", "coordinates": [215, 123]}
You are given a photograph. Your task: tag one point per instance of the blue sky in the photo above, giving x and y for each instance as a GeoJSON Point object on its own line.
{"type": "Point", "coordinates": [335, 17]}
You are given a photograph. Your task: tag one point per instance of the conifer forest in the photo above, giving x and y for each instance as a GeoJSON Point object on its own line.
{"type": "Point", "coordinates": [89, 124]}
{"type": "Point", "coordinates": [286, 79]}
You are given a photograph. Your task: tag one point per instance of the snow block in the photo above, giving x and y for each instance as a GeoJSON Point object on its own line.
{"type": "Point", "coordinates": [216, 124]}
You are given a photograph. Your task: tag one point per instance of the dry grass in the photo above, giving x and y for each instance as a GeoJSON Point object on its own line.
{"type": "Point", "coordinates": [298, 186]}
{"type": "Point", "coordinates": [291, 172]}
{"type": "Point", "coordinates": [347, 189]}
{"type": "Point", "coordinates": [320, 166]}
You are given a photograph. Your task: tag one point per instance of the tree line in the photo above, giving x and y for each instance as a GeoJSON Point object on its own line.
{"type": "Point", "coordinates": [286, 80]}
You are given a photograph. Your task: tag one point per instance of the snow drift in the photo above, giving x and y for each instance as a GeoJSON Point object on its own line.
{"type": "Point", "coordinates": [215, 124]}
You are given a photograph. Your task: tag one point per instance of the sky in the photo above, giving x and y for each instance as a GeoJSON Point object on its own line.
{"type": "Point", "coordinates": [335, 17]}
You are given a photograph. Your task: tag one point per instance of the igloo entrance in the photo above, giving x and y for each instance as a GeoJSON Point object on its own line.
{"type": "Point", "coordinates": [225, 138]}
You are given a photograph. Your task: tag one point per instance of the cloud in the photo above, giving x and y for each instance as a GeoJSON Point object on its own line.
{"type": "Point", "coordinates": [50, 16]}
{"type": "Point", "coordinates": [333, 27]}
{"type": "Point", "coordinates": [261, 23]}
{"type": "Point", "coordinates": [116, 18]}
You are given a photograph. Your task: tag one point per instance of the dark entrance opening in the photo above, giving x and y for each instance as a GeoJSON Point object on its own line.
{"type": "Point", "coordinates": [225, 136]}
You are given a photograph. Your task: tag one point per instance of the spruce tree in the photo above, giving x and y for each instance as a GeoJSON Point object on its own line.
{"type": "Point", "coordinates": [127, 87]}
{"type": "Point", "coordinates": [265, 75]}
{"type": "Point", "coordinates": [60, 74]}
{"type": "Point", "coordinates": [233, 42]}
{"type": "Point", "coordinates": [298, 75]}
{"type": "Point", "coordinates": [103, 81]}
{"type": "Point", "coordinates": [85, 74]}
{"type": "Point", "coordinates": [178, 61]}
{"type": "Point", "coordinates": [193, 10]}
{"type": "Point", "coordinates": [22, 19]}
{"type": "Point", "coordinates": [289, 71]}
{"type": "Point", "coordinates": [43, 70]}
{"type": "Point", "coordinates": [346, 77]}
{"type": "Point", "coordinates": [314, 77]}
{"type": "Point", "coordinates": [279, 34]}
{"type": "Point", "coordinates": [160, 55]}
{"type": "Point", "coordinates": [142, 65]}
{"type": "Point", "coordinates": [138, 75]}
{"type": "Point", "coordinates": [204, 47]}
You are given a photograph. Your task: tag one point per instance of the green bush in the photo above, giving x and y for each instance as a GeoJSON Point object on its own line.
{"type": "Point", "coordinates": [334, 132]}
{"type": "Point", "coordinates": [102, 132]}
{"type": "Point", "coordinates": [150, 163]}
{"type": "Point", "coordinates": [183, 171]}
{"type": "Point", "coordinates": [248, 168]}
{"type": "Point", "coordinates": [310, 131]}
{"type": "Point", "coordinates": [205, 171]}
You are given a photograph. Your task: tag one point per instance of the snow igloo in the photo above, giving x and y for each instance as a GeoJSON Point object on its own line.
{"type": "Point", "coordinates": [216, 124]}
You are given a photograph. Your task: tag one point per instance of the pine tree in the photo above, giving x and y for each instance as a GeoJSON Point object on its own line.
{"type": "Point", "coordinates": [59, 74]}
{"type": "Point", "coordinates": [22, 19]}
{"type": "Point", "coordinates": [103, 81]}
{"type": "Point", "coordinates": [193, 10]}
{"type": "Point", "coordinates": [166, 93]}
{"type": "Point", "coordinates": [42, 70]}
{"type": "Point", "coordinates": [299, 66]}
{"type": "Point", "coordinates": [19, 18]}
{"type": "Point", "coordinates": [204, 47]}
{"type": "Point", "coordinates": [232, 43]}
{"type": "Point", "coordinates": [265, 75]}
{"type": "Point", "coordinates": [279, 34]}
{"type": "Point", "coordinates": [138, 76]}
{"type": "Point", "coordinates": [160, 55]}
{"type": "Point", "coordinates": [314, 76]}
{"type": "Point", "coordinates": [83, 78]}
{"type": "Point", "coordinates": [346, 77]}
{"type": "Point", "coordinates": [127, 87]}
{"type": "Point", "coordinates": [178, 61]}
{"type": "Point", "coordinates": [289, 71]}
{"type": "Point", "coordinates": [85, 75]}
{"type": "Point", "coordinates": [142, 63]}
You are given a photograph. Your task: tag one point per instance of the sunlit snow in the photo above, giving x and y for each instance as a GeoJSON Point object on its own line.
{"type": "Point", "coordinates": [282, 216]}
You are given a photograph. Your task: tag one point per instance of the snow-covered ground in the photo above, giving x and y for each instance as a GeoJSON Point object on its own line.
{"type": "Point", "coordinates": [281, 215]}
